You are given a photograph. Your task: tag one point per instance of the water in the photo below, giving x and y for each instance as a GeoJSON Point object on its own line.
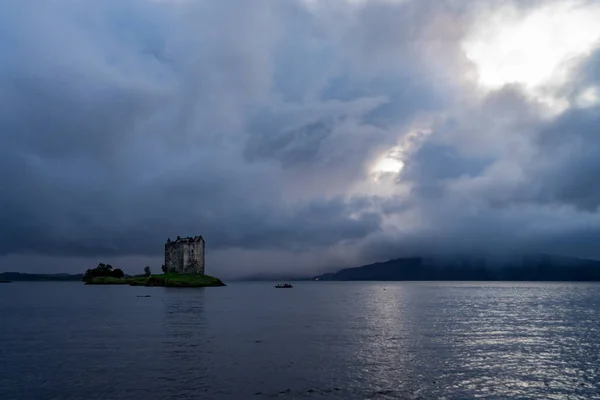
{"type": "Point", "coordinates": [321, 340]}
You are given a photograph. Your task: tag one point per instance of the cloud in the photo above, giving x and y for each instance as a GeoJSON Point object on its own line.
{"type": "Point", "coordinates": [257, 125]}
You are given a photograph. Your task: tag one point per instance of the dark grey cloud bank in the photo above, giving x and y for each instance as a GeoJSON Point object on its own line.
{"type": "Point", "coordinates": [256, 124]}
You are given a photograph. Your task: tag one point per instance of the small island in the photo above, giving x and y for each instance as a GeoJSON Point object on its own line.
{"type": "Point", "coordinates": [172, 279]}
{"type": "Point", "coordinates": [184, 267]}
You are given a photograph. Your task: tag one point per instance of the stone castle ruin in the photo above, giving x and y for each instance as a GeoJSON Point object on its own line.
{"type": "Point", "coordinates": [185, 255]}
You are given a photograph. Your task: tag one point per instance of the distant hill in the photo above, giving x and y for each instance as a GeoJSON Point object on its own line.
{"type": "Point", "coordinates": [18, 276]}
{"type": "Point", "coordinates": [464, 268]}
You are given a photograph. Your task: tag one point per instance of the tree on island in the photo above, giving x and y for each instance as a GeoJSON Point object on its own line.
{"type": "Point", "coordinates": [103, 270]}
{"type": "Point", "coordinates": [164, 269]}
{"type": "Point", "coordinates": [147, 271]}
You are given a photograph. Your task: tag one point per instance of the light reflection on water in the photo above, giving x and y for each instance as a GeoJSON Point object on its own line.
{"type": "Point", "coordinates": [319, 340]}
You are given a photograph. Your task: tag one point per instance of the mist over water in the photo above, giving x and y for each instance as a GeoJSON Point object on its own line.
{"type": "Point", "coordinates": [334, 340]}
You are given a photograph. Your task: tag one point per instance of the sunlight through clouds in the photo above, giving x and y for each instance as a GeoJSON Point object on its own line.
{"type": "Point", "coordinates": [393, 161]}
{"type": "Point", "coordinates": [530, 49]}
{"type": "Point", "coordinates": [388, 164]}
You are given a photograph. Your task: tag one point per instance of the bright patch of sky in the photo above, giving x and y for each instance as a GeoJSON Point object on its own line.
{"type": "Point", "coordinates": [531, 49]}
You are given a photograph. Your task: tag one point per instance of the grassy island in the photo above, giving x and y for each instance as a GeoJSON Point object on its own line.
{"type": "Point", "coordinates": [166, 280]}
{"type": "Point", "coordinates": [104, 274]}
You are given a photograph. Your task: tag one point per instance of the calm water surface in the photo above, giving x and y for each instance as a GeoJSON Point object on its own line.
{"type": "Point", "coordinates": [321, 340]}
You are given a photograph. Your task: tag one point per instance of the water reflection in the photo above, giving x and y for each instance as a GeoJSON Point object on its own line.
{"type": "Point", "coordinates": [184, 317]}
{"type": "Point", "coordinates": [185, 342]}
{"type": "Point", "coordinates": [508, 351]}
{"type": "Point", "coordinates": [383, 335]}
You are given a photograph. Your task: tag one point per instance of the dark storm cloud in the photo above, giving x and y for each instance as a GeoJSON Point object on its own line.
{"type": "Point", "coordinates": [128, 217]}
{"type": "Point", "coordinates": [569, 162]}
{"type": "Point", "coordinates": [433, 162]}
{"type": "Point", "coordinates": [297, 145]}
{"type": "Point", "coordinates": [256, 125]}
{"type": "Point", "coordinates": [568, 159]}
{"type": "Point", "coordinates": [104, 164]}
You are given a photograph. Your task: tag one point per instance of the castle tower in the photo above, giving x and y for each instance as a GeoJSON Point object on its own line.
{"type": "Point", "coordinates": [185, 255]}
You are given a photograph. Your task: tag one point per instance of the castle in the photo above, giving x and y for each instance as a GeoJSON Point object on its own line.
{"type": "Point", "coordinates": [185, 255]}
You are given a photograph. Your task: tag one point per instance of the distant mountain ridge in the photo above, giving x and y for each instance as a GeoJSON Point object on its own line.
{"type": "Point", "coordinates": [19, 276]}
{"type": "Point", "coordinates": [541, 267]}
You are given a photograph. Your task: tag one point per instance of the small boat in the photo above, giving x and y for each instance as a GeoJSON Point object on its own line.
{"type": "Point", "coordinates": [285, 285]}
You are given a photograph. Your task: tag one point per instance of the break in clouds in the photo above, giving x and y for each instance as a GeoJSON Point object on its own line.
{"type": "Point", "coordinates": [296, 135]}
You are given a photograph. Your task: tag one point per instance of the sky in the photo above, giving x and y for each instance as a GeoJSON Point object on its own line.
{"type": "Point", "coordinates": [296, 136]}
